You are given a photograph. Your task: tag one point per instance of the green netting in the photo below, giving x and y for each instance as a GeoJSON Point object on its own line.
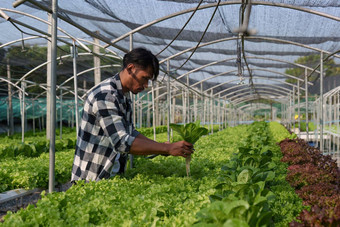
{"type": "Point", "coordinates": [37, 108]}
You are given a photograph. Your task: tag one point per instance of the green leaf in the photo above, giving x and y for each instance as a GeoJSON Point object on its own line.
{"type": "Point", "coordinates": [244, 176]}
{"type": "Point", "coordinates": [235, 223]}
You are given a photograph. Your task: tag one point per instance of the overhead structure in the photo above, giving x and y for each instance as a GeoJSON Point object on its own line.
{"type": "Point", "coordinates": [222, 62]}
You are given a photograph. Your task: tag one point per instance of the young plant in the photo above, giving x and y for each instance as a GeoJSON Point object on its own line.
{"type": "Point", "coordinates": [190, 132]}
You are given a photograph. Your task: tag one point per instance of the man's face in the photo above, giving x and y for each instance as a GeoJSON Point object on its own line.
{"type": "Point", "coordinates": [139, 78]}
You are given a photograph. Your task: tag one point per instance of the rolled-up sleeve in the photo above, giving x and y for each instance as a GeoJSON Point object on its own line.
{"type": "Point", "coordinates": [112, 123]}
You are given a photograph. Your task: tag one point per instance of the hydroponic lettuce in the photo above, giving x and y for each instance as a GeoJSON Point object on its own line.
{"type": "Point", "coordinates": [153, 193]}
{"type": "Point", "coordinates": [190, 132]}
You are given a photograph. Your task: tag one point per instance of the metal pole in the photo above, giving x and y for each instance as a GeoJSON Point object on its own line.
{"type": "Point", "coordinates": [337, 125]}
{"type": "Point", "coordinates": [321, 102]}
{"type": "Point", "coordinates": [333, 121]}
{"type": "Point", "coordinates": [290, 111]}
{"type": "Point", "coordinates": [184, 107]}
{"type": "Point", "coordinates": [96, 60]}
{"type": "Point", "coordinates": [225, 113]}
{"type": "Point", "coordinates": [212, 113]}
{"type": "Point", "coordinates": [33, 117]}
{"type": "Point", "coordinates": [48, 80]}
{"type": "Point", "coordinates": [53, 93]}
{"type": "Point", "coordinates": [61, 115]}
{"type": "Point", "coordinates": [153, 110]}
{"type": "Point", "coordinates": [23, 111]}
{"type": "Point", "coordinates": [195, 107]}
{"type": "Point", "coordinates": [203, 105]}
{"type": "Point", "coordinates": [316, 120]}
{"type": "Point", "coordinates": [306, 103]}
{"type": "Point", "coordinates": [75, 79]}
{"type": "Point", "coordinates": [299, 117]}
{"type": "Point", "coordinates": [173, 108]}
{"type": "Point", "coordinates": [187, 95]}
{"type": "Point", "coordinates": [330, 123]}
{"type": "Point", "coordinates": [293, 108]}
{"type": "Point", "coordinates": [169, 98]}
{"type": "Point", "coordinates": [133, 103]}
{"type": "Point", "coordinates": [148, 112]}
{"type": "Point", "coordinates": [10, 104]}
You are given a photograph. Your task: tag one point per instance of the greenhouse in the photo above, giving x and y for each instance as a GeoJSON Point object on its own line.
{"type": "Point", "coordinates": [253, 85]}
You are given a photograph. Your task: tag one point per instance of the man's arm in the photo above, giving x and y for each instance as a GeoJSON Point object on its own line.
{"type": "Point", "coordinates": [144, 146]}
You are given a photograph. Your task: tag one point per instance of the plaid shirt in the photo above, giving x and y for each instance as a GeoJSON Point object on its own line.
{"type": "Point", "coordinates": [105, 134]}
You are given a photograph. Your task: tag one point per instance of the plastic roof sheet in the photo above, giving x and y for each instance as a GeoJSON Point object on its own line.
{"type": "Point", "coordinates": [272, 23]}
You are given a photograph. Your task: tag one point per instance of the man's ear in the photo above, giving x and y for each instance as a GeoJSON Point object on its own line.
{"type": "Point", "coordinates": [129, 68]}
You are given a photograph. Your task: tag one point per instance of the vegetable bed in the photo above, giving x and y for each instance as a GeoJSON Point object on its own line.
{"type": "Point", "coordinates": [157, 191]}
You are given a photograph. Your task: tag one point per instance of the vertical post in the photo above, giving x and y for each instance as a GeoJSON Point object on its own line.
{"type": "Point", "coordinates": [53, 76]}
{"type": "Point", "coordinates": [225, 112]}
{"type": "Point", "coordinates": [219, 112]}
{"type": "Point", "coordinates": [316, 119]}
{"type": "Point", "coordinates": [337, 125]}
{"type": "Point", "coordinates": [75, 79]}
{"type": "Point", "coordinates": [33, 113]}
{"type": "Point", "coordinates": [293, 108]}
{"type": "Point", "coordinates": [141, 111]}
{"type": "Point", "coordinates": [96, 61]}
{"type": "Point", "coordinates": [329, 122]}
{"type": "Point", "coordinates": [10, 104]}
{"type": "Point", "coordinates": [203, 105]}
{"type": "Point", "coordinates": [133, 103]}
{"type": "Point", "coordinates": [187, 95]}
{"type": "Point", "coordinates": [157, 106]}
{"type": "Point", "coordinates": [195, 107]}
{"type": "Point", "coordinates": [183, 107]}
{"type": "Point", "coordinates": [23, 111]}
{"type": "Point", "coordinates": [148, 111]}
{"type": "Point", "coordinates": [321, 102]}
{"type": "Point", "coordinates": [153, 110]}
{"type": "Point", "coordinates": [306, 103]}
{"type": "Point", "coordinates": [61, 115]}
{"type": "Point", "coordinates": [211, 112]}
{"type": "Point", "coordinates": [48, 80]}
{"type": "Point", "coordinates": [169, 98]}
{"type": "Point", "coordinates": [290, 111]}
{"type": "Point", "coordinates": [173, 108]}
{"type": "Point", "coordinates": [298, 94]}
{"type": "Point", "coordinates": [334, 121]}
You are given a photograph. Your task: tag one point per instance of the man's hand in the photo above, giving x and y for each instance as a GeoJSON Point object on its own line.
{"type": "Point", "coordinates": [181, 148]}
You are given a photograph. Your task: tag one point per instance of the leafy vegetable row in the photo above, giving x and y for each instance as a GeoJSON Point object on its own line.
{"type": "Point", "coordinates": [30, 173]}
{"type": "Point", "coordinates": [157, 193]}
{"type": "Point", "coordinates": [34, 149]}
{"type": "Point", "coordinates": [316, 179]}
{"type": "Point", "coordinates": [26, 165]}
{"type": "Point", "coordinates": [154, 193]}
{"type": "Point", "coordinates": [252, 190]}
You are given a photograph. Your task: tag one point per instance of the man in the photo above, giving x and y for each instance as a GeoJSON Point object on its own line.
{"type": "Point", "coordinates": [107, 135]}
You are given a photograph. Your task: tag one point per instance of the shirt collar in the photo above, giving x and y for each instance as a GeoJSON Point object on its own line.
{"type": "Point", "coordinates": [120, 87]}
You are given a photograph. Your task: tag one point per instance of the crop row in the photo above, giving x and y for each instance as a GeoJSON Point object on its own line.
{"type": "Point", "coordinates": [252, 190]}
{"type": "Point", "coordinates": [316, 179]}
{"type": "Point", "coordinates": [26, 165]}
{"type": "Point", "coordinates": [157, 191]}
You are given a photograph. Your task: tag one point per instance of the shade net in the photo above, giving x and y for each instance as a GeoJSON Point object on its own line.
{"type": "Point", "coordinates": [283, 32]}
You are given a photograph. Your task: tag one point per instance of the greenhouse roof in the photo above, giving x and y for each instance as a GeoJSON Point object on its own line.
{"type": "Point", "coordinates": [226, 44]}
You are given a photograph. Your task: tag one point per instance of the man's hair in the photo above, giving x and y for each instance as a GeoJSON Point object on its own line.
{"type": "Point", "coordinates": [143, 58]}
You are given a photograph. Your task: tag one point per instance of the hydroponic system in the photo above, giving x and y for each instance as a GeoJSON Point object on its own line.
{"type": "Point", "coordinates": [258, 80]}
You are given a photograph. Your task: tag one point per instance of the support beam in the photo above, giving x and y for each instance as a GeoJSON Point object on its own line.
{"type": "Point", "coordinates": [321, 111]}
{"type": "Point", "coordinates": [52, 89]}
{"type": "Point", "coordinates": [96, 61]}
{"type": "Point", "coordinates": [10, 104]}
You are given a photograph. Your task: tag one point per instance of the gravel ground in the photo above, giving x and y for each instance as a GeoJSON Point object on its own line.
{"type": "Point", "coordinates": [16, 204]}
